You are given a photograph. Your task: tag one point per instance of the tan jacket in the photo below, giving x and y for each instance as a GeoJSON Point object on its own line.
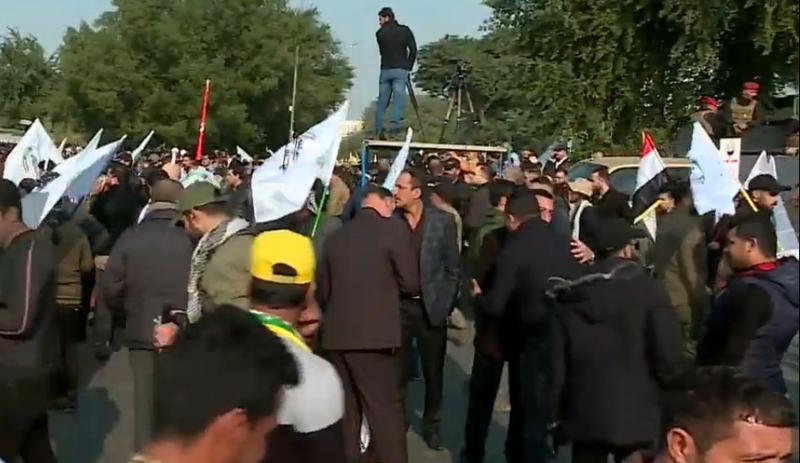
{"type": "Point", "coordinates": [226, 279]}
{"type": "Point", "coordinates": [679, 260]}
{"type": "Point", "coordinates": [74, 258]}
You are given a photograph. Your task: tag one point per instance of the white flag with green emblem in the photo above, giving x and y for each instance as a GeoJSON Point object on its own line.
{"type": "Point", "coordinates": [34, 147]}
{"type": "Point", "coordinates": [282, 184]}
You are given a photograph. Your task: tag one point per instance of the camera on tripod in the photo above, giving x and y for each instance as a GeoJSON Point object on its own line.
{"type": "Point", "coordinates": [457, 90]}
{"type": "Point", "coordinates": [461, 70]}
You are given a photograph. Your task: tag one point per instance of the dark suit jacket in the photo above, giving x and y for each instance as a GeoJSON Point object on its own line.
{"type": "Point", "coordinates": [365, 267]}
{"type": "Point", "coordinates": [439, 264]}
{"type": "Point", "coordinates": [530, 257]}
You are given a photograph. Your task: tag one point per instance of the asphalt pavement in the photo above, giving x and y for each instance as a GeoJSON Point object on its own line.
{"type": "Point", "coordinates": [101, 430]}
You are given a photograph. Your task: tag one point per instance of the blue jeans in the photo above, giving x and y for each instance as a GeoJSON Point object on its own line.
{"type": "Point", "coordinates": [392, 82]}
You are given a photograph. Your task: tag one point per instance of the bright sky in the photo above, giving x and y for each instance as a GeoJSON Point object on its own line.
{"type": "Point", "coordinates": [353, 23]}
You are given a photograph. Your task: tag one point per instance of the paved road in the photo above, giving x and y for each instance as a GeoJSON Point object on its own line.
{"type": "Point", "coordinates": [101, 430]}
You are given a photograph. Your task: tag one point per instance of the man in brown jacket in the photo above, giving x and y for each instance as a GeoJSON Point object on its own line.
{"type": "Point", "coordinates": [366, 266]}
{"type": "Point", "coordinates": [679, 260]}
{"type": "Point", "coordinates": [74, 259]}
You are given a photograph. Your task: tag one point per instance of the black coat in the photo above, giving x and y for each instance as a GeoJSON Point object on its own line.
{"type": "Point", "coordinates": [617, 345]}
{"type": "Point", "coordinates": [531, 256]}
{"type": "Point", "coordinates": [148, 271]}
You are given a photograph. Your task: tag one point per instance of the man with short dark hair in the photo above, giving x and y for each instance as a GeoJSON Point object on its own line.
{"type": "Point", "coordinates": [240, 196]}
{"type": "Point", "coordinates": [723, 416]}
{"type": "Point", "coordinates": [398, 54]}
{"type": "Point", "coordinates": [362, 329]}
{"type": "Point", "coordinates": [282, 296]}
{"type": "Point", "coordinates": [424, 315]}
{"type": "Point", "coordinates": [754, 320]}
{"type": "Point", "coordinates": [533, 253]}
{"type": "Point", "coordinates": [490, 353]}
{"type": "Point", "coordinates": [559, 159]}
{"type": "Point", "coordinates": [609, 202]}
{"type": "Point", "coordinates": [221, 385]}
{"type": "Point", "coordinates": [29, 345]}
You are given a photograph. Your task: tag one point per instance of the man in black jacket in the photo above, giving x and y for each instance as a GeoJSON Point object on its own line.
{"type": "Point", "coordinates": [609, 202]}
{"type": "Point", "coordinates": [240, 196]}
{"type": "Point", "coordinates": [398, 54]}
{"type": "Point", "coordinates": [618, 344]}
{"type": "Point", "coordinates": [532, 254]}
{"type": "Point", "coordinates": [424, 315]}
{"type": "Point", "coordinates": [147, 273]}
{"type": "Point", "coordinates": [28, 335]}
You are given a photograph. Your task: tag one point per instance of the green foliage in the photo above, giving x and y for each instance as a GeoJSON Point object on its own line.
{"type": "Point", "coordinates": [25, 73]}
{"type": "Point", "coordinates": [599, 71]}
{"type": "Point", "coordinates": [143, 66]}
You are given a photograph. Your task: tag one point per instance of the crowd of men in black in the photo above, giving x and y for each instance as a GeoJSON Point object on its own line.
{"type": "Point", "coordinates": [619, 344]}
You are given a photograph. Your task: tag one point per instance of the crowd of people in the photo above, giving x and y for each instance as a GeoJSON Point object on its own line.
{"type": "Point", "coordinates": [284, 341]}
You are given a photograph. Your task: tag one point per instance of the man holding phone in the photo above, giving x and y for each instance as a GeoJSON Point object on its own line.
{"type": "Point", "coordinates": [398, 54]}
{"type": "Point", "coordinates": [146, 278]}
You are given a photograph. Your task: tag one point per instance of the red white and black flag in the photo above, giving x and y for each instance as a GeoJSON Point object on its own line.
{"type": "Point", "coordinates": [650, 177]}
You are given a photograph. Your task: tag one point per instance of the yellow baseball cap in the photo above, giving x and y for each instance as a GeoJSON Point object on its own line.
{"type": "Point", "coordinates": [283, 257]}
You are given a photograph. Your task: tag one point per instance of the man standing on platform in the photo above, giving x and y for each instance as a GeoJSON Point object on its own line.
{"type": "Point", "coordinates": [362, 321]}
{"type": "Point", "coordinates": [424, 315]}
{"type": "Point", "coordinates": [398, 54]}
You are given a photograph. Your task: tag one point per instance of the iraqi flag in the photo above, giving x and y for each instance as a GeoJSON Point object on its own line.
{"type": "Point", "coordinates": [650, 177]}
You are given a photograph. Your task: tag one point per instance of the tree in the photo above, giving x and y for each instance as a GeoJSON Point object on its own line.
{"type": "Point", "coordinates": [142, 66]}
{"type": "Point", "coordinates": [25, 73]}
{"type": "Point", "coordinates": [599, 71]}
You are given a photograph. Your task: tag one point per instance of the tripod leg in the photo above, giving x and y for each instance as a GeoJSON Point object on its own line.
{"type": "Point", "coordinates": [447, 116]}
{"type": "Point", "coordinates": [413, 98]}
{"type": "Point", "coordinates": [460, 111]}
{"type": "Point", "coordinates": [476, 116]}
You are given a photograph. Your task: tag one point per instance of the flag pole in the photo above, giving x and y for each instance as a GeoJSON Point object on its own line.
{"type": "Point", "coordinates": [320, 211]}
{"type": "Point", "coordinates": [647, 212]}
{"type": "Point", "coordinates": [203, 114]}
{"type": "Point", "coordinates": [747, 198]}
{"type": "Point", "coordinates": [294, 92]}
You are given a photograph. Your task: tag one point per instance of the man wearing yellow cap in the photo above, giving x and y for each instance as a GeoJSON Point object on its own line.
{"type": "Point", "coordinates": [281, 293]}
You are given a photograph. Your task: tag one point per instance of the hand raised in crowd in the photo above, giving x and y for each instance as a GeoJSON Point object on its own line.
{"type": "Point", "coordinates": [581, 252]}
{"type": "Point", "coordinates": [475, 289]}
{"type": "Point", "coordinates": [164, 335]}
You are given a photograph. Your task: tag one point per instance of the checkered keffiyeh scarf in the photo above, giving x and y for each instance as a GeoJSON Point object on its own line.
{"type": "Point", "coordinates": [202, 254]}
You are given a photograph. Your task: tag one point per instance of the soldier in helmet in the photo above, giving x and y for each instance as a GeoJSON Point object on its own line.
{"type": "Point", "coordinates": [744, 111]}
{"type": "Point", "coordinates": [708, 116]}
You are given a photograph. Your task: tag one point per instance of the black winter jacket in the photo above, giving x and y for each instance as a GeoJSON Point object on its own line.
{"type": "Point", "coordinates": [617, 346]}
{"type": "Point", "coordinates": [28, 334]}
{"type": "Point", "coordinates": [148, 271]}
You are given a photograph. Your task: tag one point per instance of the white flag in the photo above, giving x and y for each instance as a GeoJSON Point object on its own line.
{"type": "Point", "coordinates": [279, 190]}
{"type": "Point", "coordinates": [713, 188]}
{"type": "Point", "coordinates": [23, 161]}
{"type": "Point", "coordinates": [76, 178]}
{"type": "Point", "coordinates": [399, 162]}
{"type": "Point", "coordinates": [56, 156]}
{"type": "Point", "coordinates": [94, 142]}
{"type": "Point", "coordinates": [139, 149]}
{"type": "Point", "coordinates": [788, 244]}
{"type": "Point", "coordinates": [90, 167]}
{"type": "Point", "coordinates": [243, 155]}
